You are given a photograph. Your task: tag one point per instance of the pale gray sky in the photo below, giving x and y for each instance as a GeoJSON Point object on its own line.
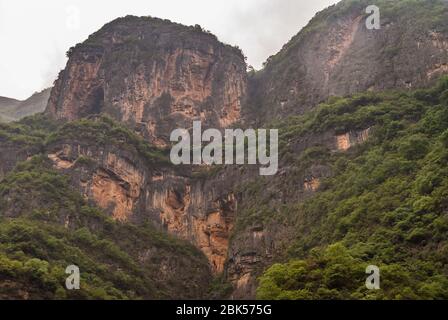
{"type": "Point", "coordinates": [35, 35]}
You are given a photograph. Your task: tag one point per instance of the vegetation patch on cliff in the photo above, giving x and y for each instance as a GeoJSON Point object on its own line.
{"type": "Point", "coordinates": [102, 130]}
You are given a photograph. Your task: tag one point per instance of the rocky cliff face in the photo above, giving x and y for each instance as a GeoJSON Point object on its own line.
{"type": "Point", "coordinates": [154, 76]}
{"type": "Point", "coordinates": [197, 206]}
{"type": "Point", "coordinates": [337, 55]}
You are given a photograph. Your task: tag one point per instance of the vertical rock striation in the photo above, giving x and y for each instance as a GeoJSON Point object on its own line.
{"type": "Point", "coordinates": [154, 76]}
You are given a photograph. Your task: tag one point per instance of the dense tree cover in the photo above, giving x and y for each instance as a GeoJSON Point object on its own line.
{"type": "Point", "coordinates": [386, 203]}
{"type": "Point", "coordinates": [29, 132]}
{"type": "Point", "coordinates": [46, 226]}
{"type": "Point", "coordinates": [339, 273]}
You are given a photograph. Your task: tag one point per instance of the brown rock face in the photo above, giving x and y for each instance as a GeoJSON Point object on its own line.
{"type": "Point", "coordinates": [198, 211]}
{"type": "Point", "coordinates": [119, 181]}
{"type": "Point", "coordinates": [118, 184]}
{"type": "Point", "coordinates": [350, 139]}
{"type": "Point", "coordinates": [154, 76]}
{"type": "Point", "coordinates": [213, 231]}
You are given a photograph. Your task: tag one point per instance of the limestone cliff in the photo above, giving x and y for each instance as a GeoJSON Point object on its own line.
{"type": "Point", "coordinates": [119, 178]}
{"type": "Point", "coordinates": [154, 76]}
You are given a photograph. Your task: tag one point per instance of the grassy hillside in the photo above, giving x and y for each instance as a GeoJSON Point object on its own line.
{"type": "Point", "coordinates": [386, 203]}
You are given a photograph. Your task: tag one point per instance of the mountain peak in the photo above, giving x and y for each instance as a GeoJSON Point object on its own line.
{"type": "Point", "coordinates": [154, 76]}
{"type": "Point", "coordinates": [337, 55]}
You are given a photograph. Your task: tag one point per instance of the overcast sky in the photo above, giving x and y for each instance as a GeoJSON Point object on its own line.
{"type": "Point", "coordinates": [35, 35]}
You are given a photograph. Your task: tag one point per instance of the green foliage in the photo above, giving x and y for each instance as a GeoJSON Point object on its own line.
{"type": "Point", "coordinates": [102, 130]}
{"type": "Point", "coordinates": [385, 204]}
{"type": "Point", "coordinates": [337, 273]}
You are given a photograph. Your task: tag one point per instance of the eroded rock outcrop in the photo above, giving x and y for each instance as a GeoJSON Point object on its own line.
{"type": "Point", "coordinates": [119, 181]}
{"type": "Point", "coordinates": [347, 140]}
{"type": "Point", "coordinates": [154, 76]}
{"type": "Point", "coordinates": [202, 212]}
